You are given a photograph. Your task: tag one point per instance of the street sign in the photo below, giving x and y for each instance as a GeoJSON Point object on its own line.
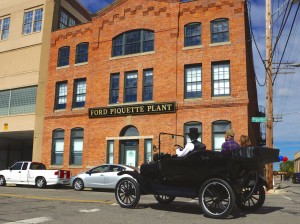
{"type": "Point", "coordinates": [259, 119]}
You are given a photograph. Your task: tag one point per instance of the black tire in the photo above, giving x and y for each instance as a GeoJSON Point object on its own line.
{"type": "Point", "coordinates": [256, 200]}
{"type": "Point", "coordinates": [164, 199]}
{"type": "Point", "coordinates": [2, 181]}
{"type": "Point", "coordinates": [216, 198]}
{"type": "Point", "coordinates": [40, 182]}
{"type": "Point", "coordinates": [127, 193]}
{"type": "Point", "coordinates": [78, 184]}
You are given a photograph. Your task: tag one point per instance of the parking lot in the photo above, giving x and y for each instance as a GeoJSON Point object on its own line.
{"type": "Point", "coordinates": [50, 205]}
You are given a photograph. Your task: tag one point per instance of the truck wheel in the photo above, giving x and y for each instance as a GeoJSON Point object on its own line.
{"type": "Point", "coordinates": [216, 198]}
{"type": "Point", "coordinates": [127, 193]}
{"type": "Point", "coordinates": [40, 182]}
{"type": "Point", "coordinates": [78, 185]}
{"type": "Point", "coordinates": [2, 181]}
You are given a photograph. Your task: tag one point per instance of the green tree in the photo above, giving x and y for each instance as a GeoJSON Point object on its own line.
{"type": "Point", "coordinates": [287, 166]}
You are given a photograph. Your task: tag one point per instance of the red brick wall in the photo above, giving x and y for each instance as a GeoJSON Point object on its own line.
{"type": "Point", "coordinates": [167, 20]}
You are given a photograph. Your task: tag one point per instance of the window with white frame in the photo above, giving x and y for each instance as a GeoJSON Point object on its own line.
{"type": "Point", "coordinates": [4, 28]}
{"type": "Point", "coordinates": [148, 85]}
{"type": "Point", "coordinates": [61, 95]}
{"type": "Point", "coordinates": [193, 81]}
{"type": "Point", "coordinates": [130, 87]}
{"type": "Point", "coordinates": [221, 79]}
{"type": "Point", "coordinates": [219, 128]}
{"type": "Point", "coordinates": [148, 150]}
{"type": "Point", "coordinates": [110, 152]}
{"type": "Point", "coordinates": [57, 147]}
{"type": "Point", "coordinates": [79, 93]}
{"type": "Point", "coordinates": [76, 146]}
{"type": "Point", "coordinates": [33, 21]}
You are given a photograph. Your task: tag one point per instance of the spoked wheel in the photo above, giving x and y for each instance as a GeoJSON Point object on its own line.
{"type": "Point", "coordinates": [164, 199]}
{"type": "Point", "coordinates": [216, 198]}
{"type": "Point", "coordinates": [255, 201]}
{"type": "Point", "coordinates": [127, 193]}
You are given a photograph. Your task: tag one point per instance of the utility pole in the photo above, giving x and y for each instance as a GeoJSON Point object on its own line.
{"type": "Point", "coordinates": [269, 91]}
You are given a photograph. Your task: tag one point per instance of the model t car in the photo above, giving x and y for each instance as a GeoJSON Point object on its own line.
{"type": "Point", "coordinates": [219, 180]}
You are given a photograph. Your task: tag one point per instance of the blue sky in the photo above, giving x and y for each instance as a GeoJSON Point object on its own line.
{"type": "Point", "coordinates": [286, 100]}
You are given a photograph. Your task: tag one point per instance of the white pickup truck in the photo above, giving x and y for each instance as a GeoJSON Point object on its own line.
{"type": "Point", "coordinates": [33, 173]}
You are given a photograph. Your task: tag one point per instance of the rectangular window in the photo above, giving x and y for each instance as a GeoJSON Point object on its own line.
{"type": "Point", "coordinates": [148, 150]}
{"type": "Point", "coordinates": [33, 21]}
{"type": "Point", "coordinates": [57, 147]}
{"type": "Point", "coordinates": [61, 95]}
{"type": "Point", "coordinates": [79, 93]}
{"type": "Point", "coordinates": [18, 101]}
{"type": "Point", "coordinates": [114, 88]}
{"type": "Point", "coordinates": [4, 28]}
{"type": "Point", "coordinates": [76, 146]}
{"type": "Point", "coordinates": [193, 81]}
{"type": "Point", "coordinates": [66, 19]}
{"type": "Point", "coordinates": [148, 85]}
{"type": "Point", "coordinates": [130, 87]}
{"type": "Point", "coordinates": [221, 79]}
{"type": "Point", "coordinates": [110, 152]}
{"type": "Point", "coordinates": [187, 127]}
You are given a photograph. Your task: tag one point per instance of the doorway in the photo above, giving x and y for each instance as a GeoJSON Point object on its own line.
{"type": "Point", "coordinates": [129, 152]}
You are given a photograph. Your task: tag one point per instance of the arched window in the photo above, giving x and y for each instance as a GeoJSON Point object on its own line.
{"type": "Point", "coordinates": [133, 42]}
{"type": "Point", "coordinates": [82, 53]}
{"type": "Point", "coordinates": [192, 124]}
{"type": "Point", "coordinates": [57, 147]}
{"type": "Point", "coordinates": [192, 34]}
{"type": "Point", "coordinates": [63, 56]}
{"type": "Point", "coordinates": [219, 128]}
{"type": "Point", "coordinates": [76, 146]}
{"type": "Point", "coordinates": [129, 131]}
{"type": "Point", "coordinates": [219, 30]}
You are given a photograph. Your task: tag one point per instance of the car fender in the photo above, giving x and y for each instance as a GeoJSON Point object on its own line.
{"type": "Point", "coordinates": [138, 177]}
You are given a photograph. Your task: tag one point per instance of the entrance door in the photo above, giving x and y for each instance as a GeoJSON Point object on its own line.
{"type": "Point", "coordinates": [129, 152]}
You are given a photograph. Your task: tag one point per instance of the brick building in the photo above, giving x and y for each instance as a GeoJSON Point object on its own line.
{"type": "Point", "coordinates": [144, 67]}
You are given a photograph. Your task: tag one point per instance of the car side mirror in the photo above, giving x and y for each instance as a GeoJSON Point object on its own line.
{"type": "Point", "coordinates": [154, 148]}
{"type": "Point", "coordinates": [88, 172]}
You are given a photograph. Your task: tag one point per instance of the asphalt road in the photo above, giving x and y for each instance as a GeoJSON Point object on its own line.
{"type": "Point", "coordinates": [60, 206]}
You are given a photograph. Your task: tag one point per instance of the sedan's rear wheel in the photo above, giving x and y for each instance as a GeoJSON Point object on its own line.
{"type": "Point", "coordinates": [78, 184]}
{"type": "Point", "coordinates": [216, 198]}
{"type": "Point", "coordinates": [127, 193]}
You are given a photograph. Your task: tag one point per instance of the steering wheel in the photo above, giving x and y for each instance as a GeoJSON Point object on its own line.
{"type": "Point", "coordinates": [178, 146]}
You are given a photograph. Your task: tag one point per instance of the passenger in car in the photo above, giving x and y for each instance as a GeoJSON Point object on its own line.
{"type": "Point", "coordinates": [193, 145]}
{"type": "Point", "coordinates": [230, 143]}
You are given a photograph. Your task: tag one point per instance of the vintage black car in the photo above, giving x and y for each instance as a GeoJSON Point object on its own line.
{"type": "Point", "coordinates": [219, 180]}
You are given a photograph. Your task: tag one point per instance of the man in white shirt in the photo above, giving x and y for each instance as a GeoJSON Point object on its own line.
{"type": "Point", "coordinates": [193, 145]}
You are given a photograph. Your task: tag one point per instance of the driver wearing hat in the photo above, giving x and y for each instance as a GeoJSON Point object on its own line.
{"type": "Point", "coordinates": [193, 145]}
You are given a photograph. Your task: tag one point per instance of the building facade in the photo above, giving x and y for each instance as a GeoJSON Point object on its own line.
{"type": "Point", "coordinates": [25, 31]}
{"type": "Point", "coordinates": [140, 68]}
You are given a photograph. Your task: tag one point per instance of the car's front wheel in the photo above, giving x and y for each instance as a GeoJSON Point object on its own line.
{"type": "Point", "coordinates": [78, 184]}
{"type": "Point", "coordinates": [2, 181]}
{"type": "Point", "coordinates": [216, 198]}
{"type": "Point", "coordinates": [127, 193]}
